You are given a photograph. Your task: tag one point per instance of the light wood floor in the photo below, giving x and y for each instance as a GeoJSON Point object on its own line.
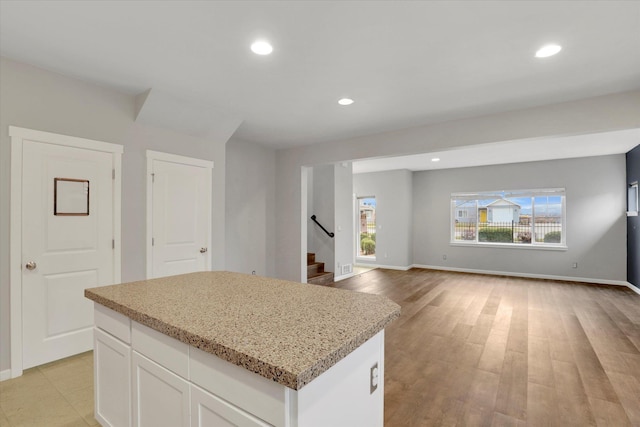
{"type": "Point", "coordinates": [472, 350]}
{"type": "Point", "coordinates": [468, 350]}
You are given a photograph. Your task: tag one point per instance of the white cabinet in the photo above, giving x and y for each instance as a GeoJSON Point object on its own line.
{"type": "Point", "coordinates": [112, 380]}
{"type": "Point", "coordinates": [160, 397]}
{"type": "Point", "coordinates": [208, 410]}
{"type": "Point", "coordinates": [144, 378]}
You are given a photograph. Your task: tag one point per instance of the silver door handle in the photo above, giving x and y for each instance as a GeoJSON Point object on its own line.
{"type": "Point", "coordinates": [203, 250]}
{"type": "Point", "coordinates": [31, 265]}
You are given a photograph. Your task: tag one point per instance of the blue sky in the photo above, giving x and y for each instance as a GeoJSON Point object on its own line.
{"type": "Point", "coordinates": [370, 201]}
{"type": "Point", "coordinates": [545, 205]}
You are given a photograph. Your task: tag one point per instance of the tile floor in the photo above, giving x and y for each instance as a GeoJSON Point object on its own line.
{"type": "Point", "coordinates": [56, 394]}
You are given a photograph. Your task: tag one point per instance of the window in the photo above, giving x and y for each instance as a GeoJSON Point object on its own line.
{"type": "Point", "coordinates": [366, 230]}
{"type": "Point", "coordinates": [632, 199]}
{"type": "Point", "coordinates": [515, 217]}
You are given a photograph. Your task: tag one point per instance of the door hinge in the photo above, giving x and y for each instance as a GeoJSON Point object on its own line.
{"type": "Point", "coordinates": [153, 241]}
{"type": "Point", "coordinates": [113, 174]}
{"type": "Point", "coordinates": [153, 177]}
{"type": "Point", "coordinates": [113, 243]}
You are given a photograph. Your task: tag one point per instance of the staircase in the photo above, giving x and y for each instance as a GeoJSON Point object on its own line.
{"type": "Point", "coordinates": [315, 272]}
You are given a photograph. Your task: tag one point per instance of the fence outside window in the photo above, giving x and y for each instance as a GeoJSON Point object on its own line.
{"type": "Point", "coordinates": [548, 231]}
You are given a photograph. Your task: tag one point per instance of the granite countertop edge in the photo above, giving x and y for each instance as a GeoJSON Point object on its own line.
{"type": "Point", "coordinates": [253, 364]}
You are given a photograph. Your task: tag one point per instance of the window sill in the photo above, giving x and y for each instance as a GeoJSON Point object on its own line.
{"type": "Point", "coordinates": [511, 246]}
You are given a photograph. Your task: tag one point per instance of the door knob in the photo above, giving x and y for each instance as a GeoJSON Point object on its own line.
{"type": "Point", "coordinates": [203, 250]}
{"type": "Point", "coordinates": [31, 265]}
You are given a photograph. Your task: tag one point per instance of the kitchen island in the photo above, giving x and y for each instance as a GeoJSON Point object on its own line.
{"type": "Point", "coordinates": [221, 348]}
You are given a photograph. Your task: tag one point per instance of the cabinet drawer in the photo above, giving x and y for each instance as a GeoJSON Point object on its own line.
{"type": "Point", "coordinates": [166, 351]}
{"type": "Point", "coordinates": [209, 410]}
{"type": "Point", "coordinates": [257, 395]}
{"type": "Point", "coordinates": [113, 322]}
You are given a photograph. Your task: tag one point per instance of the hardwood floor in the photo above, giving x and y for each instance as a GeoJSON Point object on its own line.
{"type": "Point", "coordinates": [468, 350]}
{"type": "Point", "coordinates": [472, 350]}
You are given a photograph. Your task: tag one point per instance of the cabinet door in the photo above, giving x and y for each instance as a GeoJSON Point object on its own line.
{"type": "Point", "coordinates": [160, 397]}
{"type": "Point", "coordinates": [208, 410]}
{"type": "Point", "coordinates": [112, 380]}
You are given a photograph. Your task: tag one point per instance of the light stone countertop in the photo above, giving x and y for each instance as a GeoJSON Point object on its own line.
{"type": "Point", "coordinates": [285, 331]}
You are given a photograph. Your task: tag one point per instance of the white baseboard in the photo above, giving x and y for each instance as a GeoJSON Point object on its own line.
{"type": "Point", "coordinates": [633, 288]}
{"type": "Point", "coordinates": [531, 276]}
{"type": "Point", "coordinates": [501, 273]}
{"type": "Point", "coordinates": [5, 375]}
{"type": "Point", "coordinates": [388, 267]}
{"type": "Point", "coordinates": [344, 276]}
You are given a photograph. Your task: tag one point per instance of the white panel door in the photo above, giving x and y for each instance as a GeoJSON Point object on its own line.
{"type": "Point", "coordinates": [181, 212]}
{"type": "Point", "coordinates": [63, 254]}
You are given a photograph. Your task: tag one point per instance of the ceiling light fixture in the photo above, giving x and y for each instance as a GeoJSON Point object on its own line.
{"type": "Point", "coordinates": [435, 159]}
{"type": "Point", "coordinates": [261, 47]}
{"type": "Point", "coordinates": [548, 50]}
{"type": "Point", "coordinates": [345, 101]}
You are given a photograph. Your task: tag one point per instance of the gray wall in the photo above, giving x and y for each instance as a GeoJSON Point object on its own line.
{"type": "Point", "coordinates": [330, 198]}
{"type": "Point", "coordinates": [250, 208]}
{"type": "Point", "coordinates": [323, 207]}
{"type": "Point", "coordinates": [595, 204]}
{"type": "Point", "coordinates": [38, 99]}
{"type": "Point", "coordinates": [394, 200]}
{"type": "Point", "coordinates": [598, 114]}
{"type": "Point", "coordinates": [344, 242]}
{"type": "Point", "coordinates": [311, 244]}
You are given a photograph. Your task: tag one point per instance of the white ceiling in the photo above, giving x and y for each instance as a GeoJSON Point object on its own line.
{"type": "Point", "coordinates": [405, 63]}
{"type": "Point", "coordinates": [520, 151]}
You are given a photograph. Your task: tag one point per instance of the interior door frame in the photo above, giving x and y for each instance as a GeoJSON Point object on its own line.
{"type": "Point", "coordinates": [18, 135]}
{"type": "Point", "coordinates": [173, 158]}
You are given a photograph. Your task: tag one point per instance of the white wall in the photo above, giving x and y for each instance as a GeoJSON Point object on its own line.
{"type": "Point", "coordinates": [344, 242]}
{"type": "Point", "coordinates": [311, 243]}
{"type": "Point", "coordinates": [38, 99]}
{"type": "Point", "coordinates": [595, 205]}
{"type": "Point", "coordinates": [393, 193]}
{"type": "Point", "coordinates": [323, 207]}
{"type": "Point", "coordinates": [250, 208]}
{"type": "Point", "coordinates": [599, 114]}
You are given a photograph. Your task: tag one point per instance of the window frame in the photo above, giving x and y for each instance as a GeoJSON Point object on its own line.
{"type": "Point", "coordinates": [633, 204]}
{"type": "Point", "coordinates": [506, 195]}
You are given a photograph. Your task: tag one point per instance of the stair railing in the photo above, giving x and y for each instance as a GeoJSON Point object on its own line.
{"type": "Point", "coordinates": [330, 234]}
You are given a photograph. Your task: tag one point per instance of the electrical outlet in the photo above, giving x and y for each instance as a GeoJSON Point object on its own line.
{"type": "Point", "coordinates": [575, 265]}
{"type": "Point", "coordinates": [373, 379]}
{"type": "Point", "coordinates": [444, 257]}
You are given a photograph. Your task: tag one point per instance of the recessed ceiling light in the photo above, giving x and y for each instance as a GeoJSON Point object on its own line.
{"type": "Point", "coordinates": [435, 159]}
{"type": "Point", "coordinates": [261, 47]}
{"type": "Point", "coordinates": [548, 50]}
{"type": "Point", "coordinates": [345, 101]}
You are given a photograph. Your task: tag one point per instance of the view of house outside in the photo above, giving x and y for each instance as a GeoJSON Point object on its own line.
{"type": "Point", "coordinates": [521, 220]}
{"type": "Point", "coordinates": [367, 227]}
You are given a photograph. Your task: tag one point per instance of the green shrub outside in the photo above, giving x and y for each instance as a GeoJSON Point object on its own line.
{"type": "Point", "coordinates": [553, 237]}
{"type": "Point", "coordinates": [371, 236]}
{"type": "Point", "coordinates": [368, 246]}
{"type": "Point", "coordinates": [503, 235]}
